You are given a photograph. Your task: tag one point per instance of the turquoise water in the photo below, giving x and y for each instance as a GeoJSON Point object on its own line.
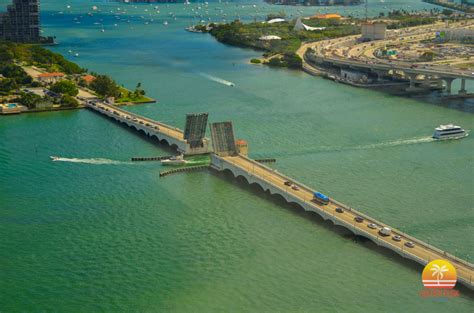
{"type": "Point", "coordinates": [99, 233]}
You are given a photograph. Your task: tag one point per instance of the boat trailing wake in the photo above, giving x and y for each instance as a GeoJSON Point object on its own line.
{"type": "Point", "coordinates": [217, 80]}
{"type": "Point", "coordinates": [388, 144]}
{"type": "Point", "coordinates": [401, 142]}
{"type": "Point", "coordinates": [97, 161]}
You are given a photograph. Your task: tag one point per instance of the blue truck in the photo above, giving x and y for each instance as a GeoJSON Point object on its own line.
{"type": "Point", "coordinates": [319, 198]}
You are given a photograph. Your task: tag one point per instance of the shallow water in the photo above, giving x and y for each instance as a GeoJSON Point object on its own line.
{"type": "Point", "coordinates": [115, 237]}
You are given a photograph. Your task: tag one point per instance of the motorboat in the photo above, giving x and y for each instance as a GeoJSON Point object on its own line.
{"type": "Point", "coordinates": [449, 131]}
{"type": "Point", "coordinates": [54, 158]}
{"type": "Point", "coordinates": [175, 160]}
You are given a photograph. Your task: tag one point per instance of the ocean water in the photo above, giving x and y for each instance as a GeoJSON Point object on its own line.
{"type": "Point", "coordinates": [96, 232]}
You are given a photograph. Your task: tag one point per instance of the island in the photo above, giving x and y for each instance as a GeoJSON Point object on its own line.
{"type": "Point", "coordinates": [34, 79]}
{"type": "Point", "coordinates": [280, 38]}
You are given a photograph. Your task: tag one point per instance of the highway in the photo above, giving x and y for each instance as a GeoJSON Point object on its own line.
{"type": "Point", "coordinates": [421, 252]}
{"type": "Point", "coordinates": [346, 51]}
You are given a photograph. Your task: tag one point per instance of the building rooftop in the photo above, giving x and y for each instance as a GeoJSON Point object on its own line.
{"type": "Point", "coordinates": [327, 16]}
{"type": "Point", "coordinates": [88, 78]}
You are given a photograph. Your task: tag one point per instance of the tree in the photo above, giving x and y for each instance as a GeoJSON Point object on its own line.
{"type": "Point", "coordinates": [30, 100]}
{"type": "Point", "coordinates": [447, 12]}
{"type": "Point", "coordinates": [105, 86]}
{"type": "Point", "coordinates": [65, 87]}
{"type": "Point", "coordinates": [69, 101]}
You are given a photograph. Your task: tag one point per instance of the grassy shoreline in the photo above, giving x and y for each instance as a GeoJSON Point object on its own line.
{"type": "Point", "coordinates": [22, 67]}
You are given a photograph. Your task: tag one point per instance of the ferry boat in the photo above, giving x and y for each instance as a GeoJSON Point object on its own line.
{"type": "Point", "coordinates": [449, 131]}
{"type": "Point", "coordinates": [177, 160]}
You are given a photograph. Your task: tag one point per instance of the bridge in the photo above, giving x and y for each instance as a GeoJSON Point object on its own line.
{"type": "Point", "coordinates": [166, 134]}
{"type": "Point", "coordinates": [347, 52]}
{"type": "Point", "coordinates": [229, 155]}
{"type": "Point", "coordinates": [270, 180]}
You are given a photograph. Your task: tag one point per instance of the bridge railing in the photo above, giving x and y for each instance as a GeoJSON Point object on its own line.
{"type": "Point", "coordinates": [421, 243]}
{"type": "Point", "coordinates": [160, 124]}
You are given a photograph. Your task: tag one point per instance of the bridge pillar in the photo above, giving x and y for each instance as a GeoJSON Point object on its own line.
{"type": "Point", "coordinates": [463, 90]}
{"type": "Point", "coordinates": [412, 78]}
{"type": "Point", "coordinates": [449, 82]}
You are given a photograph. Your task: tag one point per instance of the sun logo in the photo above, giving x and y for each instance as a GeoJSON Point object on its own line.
{"type": "Point", "coordinates": [439, 274]}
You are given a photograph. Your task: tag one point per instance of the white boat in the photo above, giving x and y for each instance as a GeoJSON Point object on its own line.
{"type": "Point", "coordinates": [449, 131]}
{"type": "Point", "coordinates": [177, 160]}
{"type": "Point", "coordinates": [54, 158]}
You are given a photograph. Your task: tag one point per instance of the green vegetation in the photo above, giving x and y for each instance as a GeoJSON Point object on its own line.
{"type": "Point", "coordinates": [247, 35]}
{"type": "Point", "coordinates": [14, 77]}
{"type": "Point", "coordinates": [37, 56]}
{"type": "Point", "coordinates": [255, 61]}
{"type": "Point", "coordinates": [69, 101]}
{"type": "Point", "coordinates": [30, 100]}
{"type": "Point", "coordinates": [65, 87]}
{"type": "Point", "coordinates": [292, 61]}
{"type": "Point", "coordinates": [402, 19]}
{"type": "Point", "coordinates": [105, 86]}
{"type": "Point", "coordinates": [137, 96]}
{"type": "Point", "coordinates": [13, 59]}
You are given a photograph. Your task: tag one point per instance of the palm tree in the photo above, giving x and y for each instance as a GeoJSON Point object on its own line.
{"type": "Point", "coordinates": [438, 271]}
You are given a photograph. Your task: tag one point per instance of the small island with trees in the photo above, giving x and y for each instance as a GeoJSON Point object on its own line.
{"type": "Point", "coordinates": [34, 79]}
{"type": "Point", "coordinates": [280, 38]}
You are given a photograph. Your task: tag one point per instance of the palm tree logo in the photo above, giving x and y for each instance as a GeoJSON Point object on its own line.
{"type": "Point", "coordinates": [438, 271]}
{"type": "Point", "coordinates": [439, 274]}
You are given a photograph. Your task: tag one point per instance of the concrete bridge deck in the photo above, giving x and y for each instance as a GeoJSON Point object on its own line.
{"type": "Point", "coordinates": [173, 136]}
{"type": "Point", "coordinates": [273, 181]}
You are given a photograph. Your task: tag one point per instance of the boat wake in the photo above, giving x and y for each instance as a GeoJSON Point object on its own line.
{"type": "Point", "coordinates": [388, 144]}
{"type": "Point", "coordinates": [401, 142]}
{"type": "Point", "coordinates": [97, 161]}
{"type": "Point", "coordinates": [217, 80]}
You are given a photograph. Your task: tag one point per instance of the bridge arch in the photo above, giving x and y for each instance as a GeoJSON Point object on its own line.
{"type": "Point", "coordinates": [174, 146]}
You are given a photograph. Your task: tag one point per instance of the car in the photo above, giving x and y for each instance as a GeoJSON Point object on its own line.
{"type": "Point", "coordinates": [410, 244]}
{"type": "Point", "coordinates": [294, 187]}
{"type": "Point", "coordinates": [372, 226]}
{"type": "Point", "coordinates": [339, 210]}
{"type": "Point", "coordinates": [358, 219]}
{"type": "Point", "coordinates": [287, 183]}
{"type": "Point", "coordinates": [397, 238]}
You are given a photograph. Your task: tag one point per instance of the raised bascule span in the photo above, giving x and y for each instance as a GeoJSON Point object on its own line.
{"type": "Point", "coordinates": [164, 133]}
{"type": "Point", "coordinates": [226, 157]}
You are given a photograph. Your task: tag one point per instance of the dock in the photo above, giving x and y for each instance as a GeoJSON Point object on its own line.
{"type": "Point", "coordinates": [184, 169]}
{"type": "Point", "coordinates": [144, 159]}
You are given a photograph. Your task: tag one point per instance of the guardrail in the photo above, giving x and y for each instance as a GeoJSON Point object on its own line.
{"type": "Point", "coordinates": [114, 108]}
{"type": "Point", "coordinates": [420, 243]}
